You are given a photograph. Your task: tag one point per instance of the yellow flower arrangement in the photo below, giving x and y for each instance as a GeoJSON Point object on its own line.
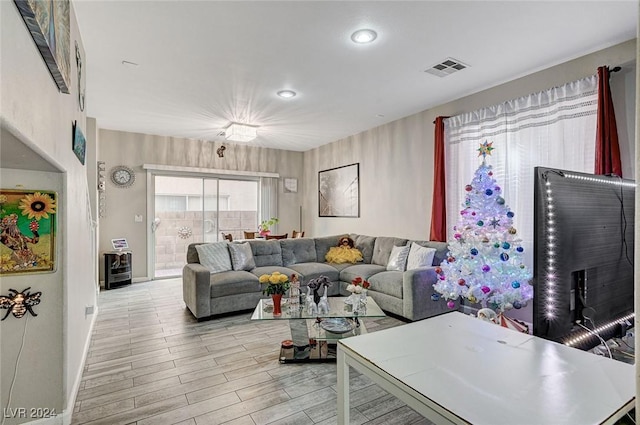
{"type": "Point", "coordinates": [277, 283]}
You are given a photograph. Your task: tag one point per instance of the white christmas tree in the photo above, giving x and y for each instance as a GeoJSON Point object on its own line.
{"type": "Point", "coordinates": [485, 261]}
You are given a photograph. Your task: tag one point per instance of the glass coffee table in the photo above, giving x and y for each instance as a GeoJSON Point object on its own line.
{"type": "Point", "coordinates": [314, 336]}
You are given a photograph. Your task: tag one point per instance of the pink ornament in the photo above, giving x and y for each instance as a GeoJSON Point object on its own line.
{"type": "Point", "coordinates": [457, 236]}
{"type": "Point", "coordinates": [485, 289]}
{"type": "Point", "coordinates": [497, 189]}
{"type": "Point", "coordinates": [441, 277]}
{"type": "Point", "coordinates": [468, 188]}
{"type": "Point", "coordinates": [451, 304]}
{"type": "Point", "coordinates": [490, 173]}
{"type": "Point", "coordinates": [461, 282]}
{"type": "Point", "coordinates": [486, 268]}
{"type": "Point", "coordinates": [473, 213]}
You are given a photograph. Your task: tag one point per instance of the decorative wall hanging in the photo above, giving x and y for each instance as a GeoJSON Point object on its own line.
{"type": "Point", "coordinates": [220, 151]}
{"type": "Point", "coordinates": [339, 191]}
{"type": "Point", "coordinates": [185, 232]}
{"type": "Point", "coordinates": [79, 142]}
{"type": "Point", "coordinates": [80, 85]}
{"type": "Point", "coordinates": [122, 176]}
{"type": "Point", "coordinates": [102, 188]}
{"type": "Point", "coordinates": [18, 303]}
{"type": "Point", "coordinates": [48, 22]}
{"type": "Point", "coordinates": [27, 231]}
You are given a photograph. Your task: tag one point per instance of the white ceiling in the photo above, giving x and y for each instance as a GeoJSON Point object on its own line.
{"type": "Point", "coordinates": [204, 64]}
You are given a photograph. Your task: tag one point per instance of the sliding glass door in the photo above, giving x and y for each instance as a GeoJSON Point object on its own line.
{"type": "Point", "coordinates": [198, 209]}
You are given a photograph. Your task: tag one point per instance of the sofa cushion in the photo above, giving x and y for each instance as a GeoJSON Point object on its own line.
{"type": "Point", "coordinates": [192, 253]}
{"type": "Point", "coordinates": [365, 245]}
{"type": "Point", "coordinates": [296, 251]}
{"type": "Point", "coordinates": [323, 245]}
{"type": "Point", "coordinates": [382, 249]}
{"type": "Point", "coordinates": [266, 253]}
{"type": "Point", "coordinates": [398, 258]}
{"type": "Point", "coordinates": [441, 250]}
{"type": "Point", "coordinates": [360, 270]}
{"type": "Point", "coordinates": [387, 282]}
{"type": "Point", "coordinates": [232, 283]}
{"type": "Point", "coordinates": [241, 256]}
{"type": "Point", "coordinates": [214, 256]}
{"type": "Point", "coordinates": [310, 271]}
{"type": "Point", "coordinates": [420, 256]}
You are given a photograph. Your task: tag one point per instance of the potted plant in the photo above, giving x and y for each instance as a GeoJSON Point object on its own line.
{"type": "Point", "coordinates": [265, 226]}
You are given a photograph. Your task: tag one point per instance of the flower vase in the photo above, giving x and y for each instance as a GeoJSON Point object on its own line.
{"type": "Point", "coordinates": [277, 304]}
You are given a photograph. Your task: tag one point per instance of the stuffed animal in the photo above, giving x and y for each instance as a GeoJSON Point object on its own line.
{"type": "Point", "coordinates": [345, 252]}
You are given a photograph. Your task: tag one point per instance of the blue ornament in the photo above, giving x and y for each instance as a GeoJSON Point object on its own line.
{"type": "Point", "coordinates": [506, 245]}
{"type": "Point", "coordinates": [515, 285]}
{"type": "Point", "coordinates": [480, 223]}
{"type": "Point", "coordinates": [510, 214]}
{"type": "Point", "coordinates": [474, 251]}
{"type": "Point", "coordinates": [435, 297]}
{"type": "Point", "coordinates": [500, 201]}
{"type": "Point", "coordinates": [504, 256]}
{"type": "Point", "coordinates": [488, 192]}
{"type": "Point", "coordinates": [517, 305]}
{"type": "Point", "coordinates": [520, 249]}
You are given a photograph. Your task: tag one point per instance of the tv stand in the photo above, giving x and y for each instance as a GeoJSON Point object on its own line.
{"type": "Point", "coordinates": [117, 269]}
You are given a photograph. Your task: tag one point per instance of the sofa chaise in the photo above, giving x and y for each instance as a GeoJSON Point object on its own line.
{"type": "Point", "coordinates": [227, 279]}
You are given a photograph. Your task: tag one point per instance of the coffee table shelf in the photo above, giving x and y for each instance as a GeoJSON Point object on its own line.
{"type": "Point", "coordinates": [311, 342]}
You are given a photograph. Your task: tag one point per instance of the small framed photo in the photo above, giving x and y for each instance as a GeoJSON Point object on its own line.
{"type": "Point", "coordinates": [119, 244]}
{"type": "Point", "coordinates": [290, 185]}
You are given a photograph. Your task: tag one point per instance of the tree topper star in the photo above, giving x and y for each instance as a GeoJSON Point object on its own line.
{"type": "Point", "coordinates": [485, 149]}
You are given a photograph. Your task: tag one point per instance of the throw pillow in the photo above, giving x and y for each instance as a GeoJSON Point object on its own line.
{"type": "Point", "coordinates": [398, 258]}
{"type": "Point", "coordinates": [420, 256]}
{"type": "Point", "coordinates": [214, 256]}
{"type": "Point", "coordinates": [242, 256]}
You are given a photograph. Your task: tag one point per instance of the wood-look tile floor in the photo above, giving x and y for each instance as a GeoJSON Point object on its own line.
{"type": "Point", "coordinates": [151, 363]}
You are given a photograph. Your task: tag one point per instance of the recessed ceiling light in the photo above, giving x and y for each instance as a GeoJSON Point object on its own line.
{"type": "Point", "coordinates": [286, 93]}
{"type": "Point", "coordinates": [364, 36]}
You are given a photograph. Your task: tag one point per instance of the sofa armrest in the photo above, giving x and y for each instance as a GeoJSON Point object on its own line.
{"type": "Point", "coordinates": [196, 289]}
{"type": "Point", "coordinates": [417, 288]}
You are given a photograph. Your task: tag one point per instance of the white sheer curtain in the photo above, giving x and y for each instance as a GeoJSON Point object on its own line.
{"type": "Point", "coordinates": [269, 200]}
{"type": "Point", "coordinates": [555, 128]}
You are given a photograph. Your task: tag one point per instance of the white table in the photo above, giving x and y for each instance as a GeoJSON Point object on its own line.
{"type": "Point", "coordinates": [458, 369]}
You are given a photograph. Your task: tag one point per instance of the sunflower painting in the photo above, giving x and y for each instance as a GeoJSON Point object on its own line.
{"type": "Point", "coordinates": [27, 231]}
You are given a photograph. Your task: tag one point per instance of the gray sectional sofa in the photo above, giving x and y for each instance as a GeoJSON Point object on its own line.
{"type": "Point", "coordinates": [403, 293]}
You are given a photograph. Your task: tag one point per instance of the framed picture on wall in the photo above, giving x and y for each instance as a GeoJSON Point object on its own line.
{"type": "Point", "coordinates": [339, 191]}
{"type": "Point", "coordinates": [27, 231]}
{"type": "Point", "coordinates": [79, 143]}
{"type": "Point", "coordinates": [48, 23]}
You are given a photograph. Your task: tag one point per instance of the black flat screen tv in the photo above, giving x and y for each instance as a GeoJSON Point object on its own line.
{"type": "Point", "coordinates": [583, 261]}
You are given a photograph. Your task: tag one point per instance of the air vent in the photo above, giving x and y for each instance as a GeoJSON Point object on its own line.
{"type": "Point", "coordinates": [446, 67]}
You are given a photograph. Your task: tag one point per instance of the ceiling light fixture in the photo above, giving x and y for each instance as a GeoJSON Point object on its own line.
{"type": "Point", "coordinates": [286, 93]}
{"type": "Point", "coordinates": [240, 132]}
{"type": "Point", "coordinates": [364, 36]}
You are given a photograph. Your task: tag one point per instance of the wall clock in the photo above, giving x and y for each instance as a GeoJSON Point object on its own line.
{"type": "Point", "coordinates": [122, 176]}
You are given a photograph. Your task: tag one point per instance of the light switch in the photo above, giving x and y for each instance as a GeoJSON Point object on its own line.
{"type": "Point", "coordinates": [138, 218]}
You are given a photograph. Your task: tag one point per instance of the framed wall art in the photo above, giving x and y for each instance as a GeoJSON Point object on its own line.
{"type": "Point", "coordinates": [339, 191]}
{"type": "Point", "coordinates": [48, 23]}
{"type": "Point", "coordinates": [79, 143]}
{"type": "Point", "coordinates": [27, 231]}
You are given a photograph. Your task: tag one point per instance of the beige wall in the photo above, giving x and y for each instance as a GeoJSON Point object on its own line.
{"type": "Point", "coordinates": [396, 159]}
{"type": "Point", "coordinates": [41, 118]}
{"type": "Point", "coordinates": [134, 150]}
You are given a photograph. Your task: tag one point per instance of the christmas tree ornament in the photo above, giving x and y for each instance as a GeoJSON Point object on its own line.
{"type": "Point", "coordinates": [481, 265]}
{"type": "Point", "coordinates": [451, 304]}
{"type": "Point", "coordinates": [435, 297]}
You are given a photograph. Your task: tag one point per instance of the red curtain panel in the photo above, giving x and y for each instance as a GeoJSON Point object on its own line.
{"type": "Point", "coordinates": [607, 146]}
{"type": "Point", "coordinates": [438, 206]}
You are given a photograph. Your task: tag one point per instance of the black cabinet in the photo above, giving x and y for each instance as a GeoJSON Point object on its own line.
{"type": "Point", "coordinates": [117, 269]}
